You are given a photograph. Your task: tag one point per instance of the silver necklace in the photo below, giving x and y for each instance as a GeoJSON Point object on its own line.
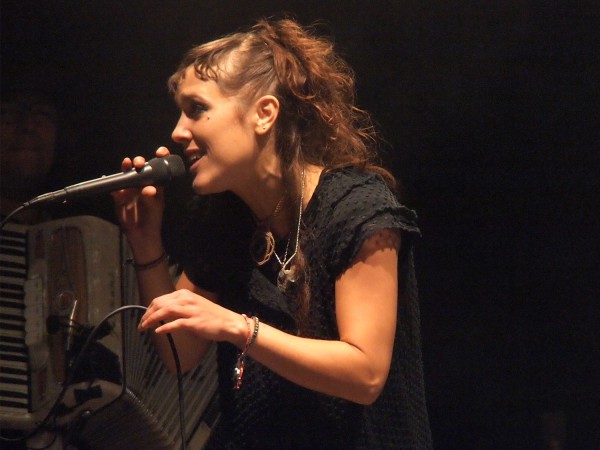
{"type": "Point", "coordinates": [287, 272]}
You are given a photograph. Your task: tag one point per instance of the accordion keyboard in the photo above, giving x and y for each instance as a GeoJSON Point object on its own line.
{"type": "Point", "coordinates": [14, 368]}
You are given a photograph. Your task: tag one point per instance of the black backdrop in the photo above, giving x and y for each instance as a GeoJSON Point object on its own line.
{"type": "Point", "coordinates": [490, 112]}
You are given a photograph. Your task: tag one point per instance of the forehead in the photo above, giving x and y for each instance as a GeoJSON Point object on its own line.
{"type": "Point", "coordinates": [27, 101]}
{"type": "Point", "coordinates": [190, 85]}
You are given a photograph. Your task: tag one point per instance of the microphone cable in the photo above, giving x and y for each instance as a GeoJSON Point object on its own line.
{"type": "Point", "coordinates": [15, 211]}
{"type": "Point", "coordinates": [78, 362]}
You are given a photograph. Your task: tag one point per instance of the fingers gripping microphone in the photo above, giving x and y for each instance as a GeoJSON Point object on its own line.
{"type": "Point", "coordinates": [155, 172]}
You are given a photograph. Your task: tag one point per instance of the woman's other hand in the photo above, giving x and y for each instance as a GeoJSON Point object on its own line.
{"type": "Point", "coordinates": [184, 310]}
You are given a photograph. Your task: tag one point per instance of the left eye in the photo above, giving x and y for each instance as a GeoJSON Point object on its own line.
{"type": "Point", "coordinates": [198, 109]}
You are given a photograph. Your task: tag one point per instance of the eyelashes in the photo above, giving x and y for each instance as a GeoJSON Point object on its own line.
{"type": "Point", "coordinates": [194, 110]}
{"type": "Point", "coordinates": [198, 109]}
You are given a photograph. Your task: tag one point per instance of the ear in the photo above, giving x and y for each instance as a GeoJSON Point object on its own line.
{"type": "Point", "coordinates": [267, 110]}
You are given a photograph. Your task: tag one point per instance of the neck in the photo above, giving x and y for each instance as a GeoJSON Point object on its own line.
{"type": "Point", "coordinates": [263, 195]}
{"type": "Point", "coordinates": [263, 188]}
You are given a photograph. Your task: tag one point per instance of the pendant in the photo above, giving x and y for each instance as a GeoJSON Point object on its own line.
{"type": "Point", "coordinates": [262, 246]}
{"type": "Point", "coordinates": [285, 277]}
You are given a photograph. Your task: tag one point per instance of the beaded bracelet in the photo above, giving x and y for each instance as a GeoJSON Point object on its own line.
{"type": "Point", "coordinates": [152, 264]}
{"type": "Point", "coordinates": [238, 371]}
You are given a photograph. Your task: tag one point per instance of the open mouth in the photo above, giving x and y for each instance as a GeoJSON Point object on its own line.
{"type": "Point", "coordinates": [195, 157]}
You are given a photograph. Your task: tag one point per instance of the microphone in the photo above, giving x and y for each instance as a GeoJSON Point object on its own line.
{"type": "Point", "coordinates": [155, 172]}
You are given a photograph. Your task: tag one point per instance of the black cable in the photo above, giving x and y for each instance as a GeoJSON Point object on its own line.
{"type": "Point", "coordinates": [47, 446]}
{"type": "Point", "coordinates": [179, 389]}
{"type": "Point", "coordinates": [12, 213]}
{"type": "Point", "coordinates": [78, 362]}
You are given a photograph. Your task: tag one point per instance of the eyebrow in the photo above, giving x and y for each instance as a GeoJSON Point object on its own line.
{"type": "Point", "coordinates": [181, 97]}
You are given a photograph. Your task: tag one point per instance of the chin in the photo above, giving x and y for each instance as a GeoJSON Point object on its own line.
{"type": "Point", "coordinates": [205, 189]}
{"type": "Point", "coordinates": [199, 190]}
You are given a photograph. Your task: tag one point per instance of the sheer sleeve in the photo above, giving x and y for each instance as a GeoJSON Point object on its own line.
{"type": "Point", "coordinates": [358, 207]}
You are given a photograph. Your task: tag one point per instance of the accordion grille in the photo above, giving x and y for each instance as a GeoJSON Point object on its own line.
{"type": "Point", "coordinates": [146, 416]}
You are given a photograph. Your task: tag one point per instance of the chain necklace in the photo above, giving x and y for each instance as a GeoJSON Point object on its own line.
{"type": "Point", "coordinates": [287, 273]}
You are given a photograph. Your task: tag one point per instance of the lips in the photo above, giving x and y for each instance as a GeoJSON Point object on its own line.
{"type": "Point", "coordinates": [194, 157]}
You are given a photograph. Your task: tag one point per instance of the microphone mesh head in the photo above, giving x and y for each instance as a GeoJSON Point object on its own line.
{"type": "Point", "coordinates": [167, 168]}
{"type": "Point", "coordinates": [175, 165]}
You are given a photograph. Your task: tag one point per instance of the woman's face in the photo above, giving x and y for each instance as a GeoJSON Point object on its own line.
{"type": "Point", "coordinates": [217, 132]}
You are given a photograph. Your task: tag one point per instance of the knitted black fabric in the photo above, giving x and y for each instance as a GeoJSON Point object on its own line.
{"type": "Point", "coordinates": [269, 412]}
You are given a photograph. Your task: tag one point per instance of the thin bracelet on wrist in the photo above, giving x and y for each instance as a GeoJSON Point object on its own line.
{"type": "Point", "coordinates": [150, 265]}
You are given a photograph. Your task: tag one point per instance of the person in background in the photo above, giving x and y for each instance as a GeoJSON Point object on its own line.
{"type": "Point", "coordinates": [296, 254]}
{"type": "Point", "coordinates": [28, 147]}
{"type": "Point", "coordinates": [28, 140]}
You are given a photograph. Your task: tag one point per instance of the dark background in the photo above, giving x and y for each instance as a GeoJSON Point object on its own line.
{"type": "Point", "coordinates": [490, 111]}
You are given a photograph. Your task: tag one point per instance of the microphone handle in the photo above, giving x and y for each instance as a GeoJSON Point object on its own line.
{"type": "Point", "coordinates": [156, 171]}
{"type": "Point", "coordinates": [101, 185]}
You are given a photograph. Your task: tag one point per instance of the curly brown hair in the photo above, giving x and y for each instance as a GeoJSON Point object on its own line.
{"type": "Point", "coordinates": [318, 122]}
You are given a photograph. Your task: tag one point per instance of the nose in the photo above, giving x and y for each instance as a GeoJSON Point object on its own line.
{"type": "Point", "coordinates": [181, 133]}
{"type": "Point", "coordinates": [25, 122]}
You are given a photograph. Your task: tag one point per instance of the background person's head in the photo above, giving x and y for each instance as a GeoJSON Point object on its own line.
{"type": "Point", "coordinates": [28, 138]}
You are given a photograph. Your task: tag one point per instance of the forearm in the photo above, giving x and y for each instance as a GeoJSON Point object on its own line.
{"type": "Point", "coordinates": [332, 367]}
{"type": "Point", "coordinates": [153, 283]}
{"type": "Point", "coordinates": [355, 366]}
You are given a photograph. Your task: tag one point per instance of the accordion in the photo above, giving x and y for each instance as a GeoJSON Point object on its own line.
{"type": "Point", "coordinates": [58, 281]}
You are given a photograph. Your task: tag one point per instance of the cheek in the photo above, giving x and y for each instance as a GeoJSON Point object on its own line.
{"type": "Point", "coordinates": [233, 147]}
{"type": "Point", "coordinates": [48, 137]}
{"type": "Point", "coordinates": [48, 158]}
{"type": "Point", "coordinates": [7, 135]}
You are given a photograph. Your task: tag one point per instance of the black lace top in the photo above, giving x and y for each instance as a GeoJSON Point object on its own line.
{"type": "Point", "coordinates": [268, 411]}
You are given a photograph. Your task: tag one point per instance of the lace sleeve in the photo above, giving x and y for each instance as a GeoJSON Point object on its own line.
{"type": "Point", "coordinates": [364, 207]}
